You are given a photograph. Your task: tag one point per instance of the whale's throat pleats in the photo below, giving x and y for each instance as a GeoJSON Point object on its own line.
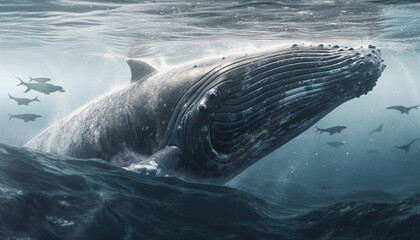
{"type": "Point", "coordinates": [280, 91]}
{"type": "Point", "coordinates": [236, 112]}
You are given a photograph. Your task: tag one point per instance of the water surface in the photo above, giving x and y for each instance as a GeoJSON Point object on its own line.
{"type": "Point", "coordinates": [305, 190]}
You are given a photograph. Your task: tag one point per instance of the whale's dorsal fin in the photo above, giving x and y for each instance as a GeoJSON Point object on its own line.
{"type": "Point", "coordinates": [139, 69]}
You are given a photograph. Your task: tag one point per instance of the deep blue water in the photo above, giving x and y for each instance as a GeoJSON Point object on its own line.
{"type": "Point", "coordinates": [46, 196]}
{"type": "Point", "coordinates": [307, 189]}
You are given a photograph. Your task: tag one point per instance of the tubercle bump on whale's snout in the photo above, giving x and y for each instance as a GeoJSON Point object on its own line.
{"type": "Point", "coordinates": [365, 66]}
{"type": "Point", "coordinates": [369, 56]}
{"type": "Point", "coordinates": [373, 57]}
{"type": "Point", "coordinates": [372, 66]}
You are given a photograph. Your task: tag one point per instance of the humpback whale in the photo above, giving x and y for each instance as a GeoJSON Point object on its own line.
{"type": "Point", "coordinates": [45, 88]}
{"type": "Point", "coordinates": [331, 130]}
{"type": "Point", "coordinates": [23, 101]}
{"type": "Point", "coordinates": [25, 117]}
{"type": "Point", "coordinates": [210, 120]}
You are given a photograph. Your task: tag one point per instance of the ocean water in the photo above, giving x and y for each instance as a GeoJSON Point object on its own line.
{"type": "Point", "coordinates": [307, 189]}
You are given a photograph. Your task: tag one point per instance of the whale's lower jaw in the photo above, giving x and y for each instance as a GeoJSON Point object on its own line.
{"type": "Point", "coordinates": [256, 144]}
{"type": "Point", "coordinates": [258, 109]}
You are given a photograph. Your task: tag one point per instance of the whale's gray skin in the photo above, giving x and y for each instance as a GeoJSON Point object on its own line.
{"type": "Point", "coordinates": [402, 109]}
{"type": "Point", "coordinates": [331, 130]}
{"type": "Point", "coordinates": [335, 144]}
{"type": "Point", "coordinates": [45, 88]}
{"type": "Point", "coordinates": [208, 121]}
{"type": "Point", "coordinates": [406, 147]}
{"type": "Point", "coordinates": [378, 129]}
{"type": "Point", "coordinates": [25, 117]}
{"type": "Point", "coordinates": [40, 80]}
{"type": "Point", "coordinates": [24, 101]}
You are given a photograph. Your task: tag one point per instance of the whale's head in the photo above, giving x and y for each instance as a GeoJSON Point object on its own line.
{"type": "Point", "coordinates": [60, 89]}
{"type": "Point", "coordinates": [246, 107]}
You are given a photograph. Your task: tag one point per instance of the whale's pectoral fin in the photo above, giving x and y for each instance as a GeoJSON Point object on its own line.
{"type": "Point", "coordinates": [139, 69]}
{"type": "Point", "coordinates": [163, 162]}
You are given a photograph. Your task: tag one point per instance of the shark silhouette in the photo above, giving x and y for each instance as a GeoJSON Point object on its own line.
{"type": "Point", "coordinates": [406, 147]}
{"type": "Point", "coordinates": [378, 129]}
{"type": "Point", "coordinates": [331, 130]}
{"type": "Point", "coordinates": [403, 109]}
{"type": "Point", "coordinates": [24, 101]}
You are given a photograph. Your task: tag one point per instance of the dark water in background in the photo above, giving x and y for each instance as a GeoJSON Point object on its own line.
{"type": "Point", "coordinates": [52, 197]}
{"type": "Point", "coordinates": [305, 190]}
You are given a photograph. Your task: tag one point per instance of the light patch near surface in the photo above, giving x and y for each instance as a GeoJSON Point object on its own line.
{"type": "Point", "coordinates": [145, 167]}
{"type": "Point", "coordinates": [407, 75]}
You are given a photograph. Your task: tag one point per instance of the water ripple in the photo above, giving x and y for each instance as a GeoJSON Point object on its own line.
{"type": "Point", "coordinates": [120, 25]}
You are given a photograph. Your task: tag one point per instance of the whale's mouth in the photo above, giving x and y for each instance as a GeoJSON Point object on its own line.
{"type": "Point", "coordinates": [291, 90]}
